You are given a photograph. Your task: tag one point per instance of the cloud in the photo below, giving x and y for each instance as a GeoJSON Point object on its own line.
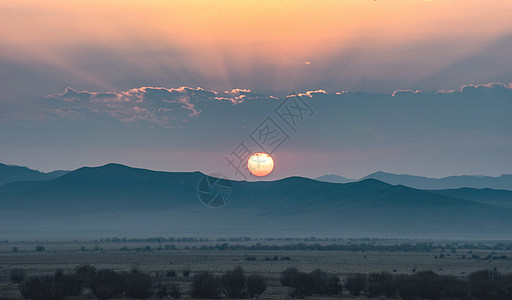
{"type": "Point", "coordinates": [466, 130]}
{"type": "Point", "coordinates": [174, 107]}
{"type": "Point", "coordinates": [144, 106]}
{"type": "Point", "coordinates": [405, 92]}
{"type": "Point", "coordinates": [310, 94]}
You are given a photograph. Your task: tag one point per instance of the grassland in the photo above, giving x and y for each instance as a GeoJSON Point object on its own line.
{"type": "Point", "coordinates": [166, 259]}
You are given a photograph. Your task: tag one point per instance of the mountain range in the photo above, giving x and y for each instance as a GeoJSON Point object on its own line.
{"type": "Point", "coordinates": [11, 173]}
{"type": "Point", "coordinates": [116, 200]}
{"type": "Point", "coordinates": [503, 182]}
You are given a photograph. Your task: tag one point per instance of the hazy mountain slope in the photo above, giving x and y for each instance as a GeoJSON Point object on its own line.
{"type": "Point", "coordinates": [334, 179]}
{"type": "Point", "coordinates": [119, 200]}
{"type": "Point", "coordinates": [10, 173]}
{"type": "Point", "coordinates": [110, 187]}
{"type": "Point", "coordinates": [375, 206]}
{"type": "Point", "coordinates": [453, 182]}
{"type": "Point", "coordinates": [501, 198]}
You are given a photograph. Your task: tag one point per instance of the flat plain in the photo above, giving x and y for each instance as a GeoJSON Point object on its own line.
{"type": "Point", "coordinates": [166, 260]}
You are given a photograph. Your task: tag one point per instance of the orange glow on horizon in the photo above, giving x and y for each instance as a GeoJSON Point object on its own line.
{"type": "Point", "coordinates": [233, 39]}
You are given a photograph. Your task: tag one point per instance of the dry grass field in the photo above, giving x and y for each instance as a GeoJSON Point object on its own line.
{"type": "Point", "coordinates": [167, 265]}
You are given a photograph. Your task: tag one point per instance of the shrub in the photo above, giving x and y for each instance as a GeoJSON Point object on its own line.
{"type": "Point", "coordinates": [137, 285]}
{"type": "Point", "coordinates": [456, 288]}
{"type": "Point", "coordinates": [333, 286]}
{"type": "Point", "coordinates": [40, 288]}
{"type": "Point", "coordinates": [17, 275]}
{"type": "Point", "coordinates": [256, 285]}
{"type": "Point", "coordinates": [287, 275]}
{"type": "Point", "coordinates": [325, 283]}
{"type": "Point", "coordinates": [85, 273]}
{"type": "Point", "coordinates": [233, 283]}
{"type": "Point", "coordinates": [408, 290]}
{"type": "Point", "coordinates": [205, 285]}
{"type": "Point", "coordinates": [186, 272]}
{"type": "Point", "coordinates": [429, 285]}
{"type": "Point", "coordinates": [68, 284]}
{"type": "Point", "coordinates": [171, 273]}
{"type": "Point", "coordinates": [381, 284]}
{"type": "Point", "coordinates": [319, 280]}
{"type": "Point", "coordinates": [302, 284]}
{"type": "Point", "coordinates": [356, 283]}
{"type": "Point", "coordinates": [106, 284]}
{"type": "Point", "coordinates": [167, 291]}
{"type": "Point", "coordinates": [104, 291]}
{"type": "Point", "coordinates": [432, 285]}
{"type": "Point", "coordinates": [39, 248]}
{"type": "Point", "coordinates": [306, 284]}
{"type": "Point", "coordinates": [490, 285]}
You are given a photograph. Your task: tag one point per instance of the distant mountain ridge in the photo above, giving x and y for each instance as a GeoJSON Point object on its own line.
{"type": "Point", "coordinates": [116, 200]}
{"type": "Point", "coordinates": [503, 182]}
{"type": "Point", "coordinates": [12, 173]}
{"type": "Point", "coordinates": [332, 178]}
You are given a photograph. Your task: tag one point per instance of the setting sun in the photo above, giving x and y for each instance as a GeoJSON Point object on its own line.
{"type": "Point", "coordinates": [260, 164]}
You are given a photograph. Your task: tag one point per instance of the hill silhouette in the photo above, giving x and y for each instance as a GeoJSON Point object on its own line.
{"type": "Point", "coordinates": [11, 173]}
{"type": "Point", "coordinates": [334, 179]}
{"type": "Point", "coordinates": [116, 200]}
{"type": "Point", "coordinates": [503, 182]}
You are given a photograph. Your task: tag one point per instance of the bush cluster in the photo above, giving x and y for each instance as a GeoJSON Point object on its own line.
{"type": "Point", "coordinates": [356, 283]}
{"type": "Point", "coordinates": [234, 284]}
{"type": "Point", "coordinates": [167, 291]}
{"type": "Point", "coordinates": [54, 287]}
{"type": "Point", "coordinates": [104, 284]}
{"type": "Point", "coordinates": [306, 284]}
{"type": "Point", "coordinates": [421, 285]}
{"type": "Point", "coordinates": [490, 285]}
{"type": "Point", "coordinates": [17, 275]}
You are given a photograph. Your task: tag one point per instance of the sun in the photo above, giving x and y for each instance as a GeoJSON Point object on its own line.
{"type": "Point", "coordinates": [260, 164]}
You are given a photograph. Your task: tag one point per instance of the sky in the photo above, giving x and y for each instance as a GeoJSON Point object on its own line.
{"type": "Point", "coordinates": [404, 86]}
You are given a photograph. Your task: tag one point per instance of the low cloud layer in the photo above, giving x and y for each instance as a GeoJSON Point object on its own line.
{"type": "Point", "coordinates": [144, 106]}
{"type": "Point", "coordinates": [173, 107]}
{"type": "Point", "coordinates": [349, 133]}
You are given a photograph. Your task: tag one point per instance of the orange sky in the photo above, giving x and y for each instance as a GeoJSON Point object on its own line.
{"type": "Point", "coordinates": [224, 42]}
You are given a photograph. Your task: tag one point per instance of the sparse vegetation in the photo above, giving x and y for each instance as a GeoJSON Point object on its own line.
{"type": "Point", "coordinates": [381, 284]}
{"type": "Point", "coordinates": [137, 285]}
{"type": "Point", "coordinates": [41, 288]}
{"type": "Point", "coordinates": [256, 285]}
{"type": "Point", "coordinates": [171, 273]}
{"type": "Point", "coordinates": [234, 283]}
{"type": "Point", "coordinates": [306, 284]}
{"type": "Point", "coordinates": [106, 284]}
{"type": "Point", "coordinates": [490, 285]}
{"type": "Point", "coordinates": [356, 283]}
{"type": "Point", "coordinates": [205, 285]}
{"type": "Point", "coordinates": [287, 276]}
{"type": "Point", "coordinates": [69, 284]}
{"type": "Point", "coordinates": [186, 272]}
{"type": "Point", "coordinates": [17, 275]}
{"type": "Point", "coordinates": [85, 281]}
{"type": "Point", "coordinates": [167, 290]}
